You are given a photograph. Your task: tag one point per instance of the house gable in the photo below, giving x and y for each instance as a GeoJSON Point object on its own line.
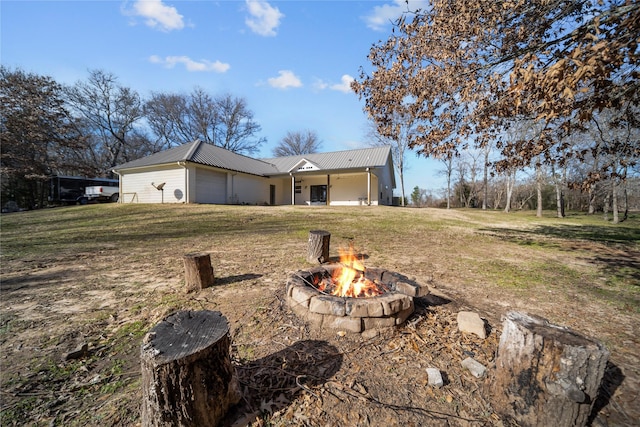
{"type": "Point", "coordinates": [304, 165]}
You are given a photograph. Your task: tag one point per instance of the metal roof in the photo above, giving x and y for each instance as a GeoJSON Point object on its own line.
{"type": "Point", "coordinates": [211, 155]}
{"type": "Point", "coordinates": [204, 154]}
{"type": "Point", "coordinates": [336, 160]}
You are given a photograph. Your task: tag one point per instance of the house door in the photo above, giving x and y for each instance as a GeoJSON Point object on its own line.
{"type": "Point", "coordinates": [318, 194]}
{"type": "Point", "coordinates": [272, 195]}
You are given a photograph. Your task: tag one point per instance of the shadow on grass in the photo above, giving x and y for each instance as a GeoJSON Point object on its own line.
{"type": "Point", "coordinates": [237, 278]}
{"type": "Point", "coordinates": [619, 260]}
{"type": "Point", "coordinates": [273, 382]}
{"type": "Point", "coordinates": [605, 234]}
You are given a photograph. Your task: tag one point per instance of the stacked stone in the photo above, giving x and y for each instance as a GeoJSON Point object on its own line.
{"type": "Point", "coordinates": [352, 314]}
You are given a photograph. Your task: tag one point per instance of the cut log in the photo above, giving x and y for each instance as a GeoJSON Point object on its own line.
{"type": "Point", "coordinates": [546, 375]}
{"type": "Point", "coordinates": [187, 375]}
{"type": "Point", "coordinates": [198, 273]}
{"type": "Point", "coordinates": [318, 249]}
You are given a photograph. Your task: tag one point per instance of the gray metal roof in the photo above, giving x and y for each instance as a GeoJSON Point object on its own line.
{"type": "Point", "coordinates": [211, 155]}
{"type": "Point", "coordinates": [337, 160]}
{"type": "Point", "coordinates": [204, 154]}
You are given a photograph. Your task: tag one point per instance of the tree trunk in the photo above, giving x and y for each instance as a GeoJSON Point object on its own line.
{"type": "Point", "coordinates": [510, 184]}
{"type": "Point", "coordinates": [485, 180]}
{"type": "Point", "coordinates": [546, 375]}
{"type": "Point", "coordinates": [538, 191]}
{"type": "Point", "coordinates": [614, 200]}
{"type": "Point", "coordinates": [187, 376]}
{"type": "Point", "coordinates": [198, 273]}
{"type": "Point", "coordinates": [318, 249]}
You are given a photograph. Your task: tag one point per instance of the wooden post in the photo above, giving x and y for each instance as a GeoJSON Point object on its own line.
{"type": "Point", "coordinates": [546, 375]}
{"type": "Point", "coordinates": [198, 273]}
{"type": "Point", "coordinates": [318, 249]}
{"type": "Point", "coordinates": [187, 376]}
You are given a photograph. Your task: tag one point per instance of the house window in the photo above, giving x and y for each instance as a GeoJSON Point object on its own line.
{"type": "Point", "coordinates": [319, 193]}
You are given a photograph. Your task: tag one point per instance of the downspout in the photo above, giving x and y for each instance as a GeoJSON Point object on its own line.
{"type": "Point", "coordinates": [293, 189]}
{"type": "Point", "coordinates": [186, 181]}
{"type": "Point", "coordinates": [368, 187]}
{"type": "Point", "coordinates": [328, 190]}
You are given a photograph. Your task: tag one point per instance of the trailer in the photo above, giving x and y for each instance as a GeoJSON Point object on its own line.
{"type": "Point", "coordinates": [72, 189]}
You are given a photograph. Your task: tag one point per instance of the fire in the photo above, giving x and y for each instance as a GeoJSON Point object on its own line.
{"type": "Point", "coordinates": [349, 279]}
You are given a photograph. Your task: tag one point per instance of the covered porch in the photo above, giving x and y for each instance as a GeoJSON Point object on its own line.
{"type": "Point", "coordinates": [335, 189]}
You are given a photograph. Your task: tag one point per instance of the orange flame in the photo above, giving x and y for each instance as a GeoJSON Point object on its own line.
{"type": "Point", "coordinates": [349, 279]}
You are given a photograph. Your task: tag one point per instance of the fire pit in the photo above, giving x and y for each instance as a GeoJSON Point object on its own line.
{"type": "Point", "coordinates": [345, 296]}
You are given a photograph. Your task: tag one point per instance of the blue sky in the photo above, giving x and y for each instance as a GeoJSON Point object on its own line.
{"type": "Point", "coordinates": [291, 60]}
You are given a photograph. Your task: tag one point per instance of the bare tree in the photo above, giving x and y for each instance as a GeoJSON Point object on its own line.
{"type": "Point", "coordinates": [110, 113]}
{"type": "Point", "coordinates": [618, 132]}
{"type": "Point", "coordinates": [510, 181]}
{"type": "Point", "coordinates": [178, 119]}
{"type": "Point", "coordinates": [236, 130]}
{"type": "Point", "coordinates": [298, 142]}
{"type": "Point", "coordinates": [539, 182]}
{"type": "Point", "coordinates": [398, 141]}
{"type": "Point", "coordinates": [448, 163]}
{"type": "Point", "coordinates": [224, 120]}
{"type": "Point", "coordinates": [486, 151]}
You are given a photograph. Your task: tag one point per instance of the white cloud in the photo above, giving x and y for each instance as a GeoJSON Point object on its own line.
{"type": "Point", "coordinates": [264, 18]}
{"type": "Point", "coordinates": [381, 16]}
{"type": "Point", "coordinates": [320, 84]}
{"type": "Point", "coordinates": [344, 85]}
{"type": "Point", "coordinates": [285, 79]}
{"type": "Point", "coordinates": [190, 64]}
{"type": "Point", "coordinates": [158, 15]}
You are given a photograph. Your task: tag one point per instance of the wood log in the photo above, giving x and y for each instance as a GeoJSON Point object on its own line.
{"type": "Point", "coordinates": [546, 375]}
{"type": "Point", "coordinates": [318, 248]}
{"type": "Point", "coordinates": [198, 273]}
{"type": "Point", "coordinates": [187, 375]}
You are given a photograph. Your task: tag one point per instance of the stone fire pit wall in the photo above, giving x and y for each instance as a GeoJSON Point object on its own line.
{"type": "Point", "coordinates": [355, 315]}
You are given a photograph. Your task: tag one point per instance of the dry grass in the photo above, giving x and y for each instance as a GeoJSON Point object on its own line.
{"type": "Point", "coordinates": [104, 274]}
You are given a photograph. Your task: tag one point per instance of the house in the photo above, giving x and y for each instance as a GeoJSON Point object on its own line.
{"type": "Point", "coordinates": [203, 173]}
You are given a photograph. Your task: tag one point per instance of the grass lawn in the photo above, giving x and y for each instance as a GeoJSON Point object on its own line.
{"type": "Point", "coordinates": [104, 274]}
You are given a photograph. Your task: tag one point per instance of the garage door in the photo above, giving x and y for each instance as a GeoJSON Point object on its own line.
{"type": "Point", "coordinates": [211, 187]}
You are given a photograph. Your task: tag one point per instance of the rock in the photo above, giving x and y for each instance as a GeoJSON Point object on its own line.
{"type": "Point", "coordinates": [476, 368]}
{"type": "Point", "coordinates": [435, 377]}
{"type": "Point", "coordinates": [78, 353]}
{"type": "Point", "coordinates": [471, 322]}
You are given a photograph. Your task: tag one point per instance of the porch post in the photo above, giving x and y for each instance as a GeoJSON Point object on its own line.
{"type": "Point", "coordinates": [328, 190]}
{"type": "Point", "coordinates": [368, 187]}
{"type": "Point", "coordinates": [293, 189]}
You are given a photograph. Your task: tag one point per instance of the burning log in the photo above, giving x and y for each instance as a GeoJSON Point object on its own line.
{"type": "Point", "coordinates": [198, 273]}
{"type": "Point", "coordinates": [546, 374]}
{"type": "Point", "coordinates": [187, 376]}
{"type": "Point", "coordinates": [318, 248]}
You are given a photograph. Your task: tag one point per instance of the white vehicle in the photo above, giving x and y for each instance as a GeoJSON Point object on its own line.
{"type": "Point", "coordinates": [100, 193]}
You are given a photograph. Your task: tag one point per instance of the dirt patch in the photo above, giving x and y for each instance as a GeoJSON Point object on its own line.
{"type": "Point", "coordinates": [292, 374]}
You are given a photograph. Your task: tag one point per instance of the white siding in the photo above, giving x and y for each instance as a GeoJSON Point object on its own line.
{"type": "Point", "coordinates": [253, 190]}
{"type": "Point", "coordinates": [210, 186]}
{"type": "Point", "coordinates": [137, 186]}
{"type": "Point", "coordinates": [351, 190]}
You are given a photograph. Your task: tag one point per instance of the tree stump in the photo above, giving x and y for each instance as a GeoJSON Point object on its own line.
{"type": "Point", "coordinates": [187, 376]}
{"type": "Point", "coordinates": [318, 249]}
{"type": "Point", "coordinates": [546, 375]}
{"type": "Point", "coordinates": [198, 273]}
